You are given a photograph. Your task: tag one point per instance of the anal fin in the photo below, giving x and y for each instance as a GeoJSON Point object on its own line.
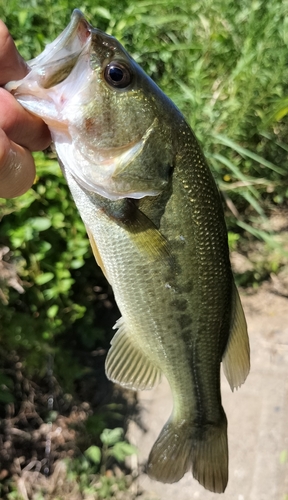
{"type": "Point", "coordinates": [127, 364]}
{"type": "Point", "coordinates": [236, 358]}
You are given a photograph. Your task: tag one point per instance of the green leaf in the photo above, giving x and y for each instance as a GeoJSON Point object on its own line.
{"type": "Point", "coordinates": [94, 454]}
{"type": "Point", "coordinates": [64, 285]}
{"type": "Point", "coordinates": [111, 436]}
{"type": "Point", "coordinates": [122, 450]}
{"type": "Point", "coordinates": [43, 278]}
{"type": "Point", "coordinates": [6, 397]}
{"type": "Point", "coordinates": [39, 223]}
{"type": "Point", "coordinates": [77, 263]}
{"type": "Point", "coordinates": [101, 11]}
{"type": "Point", "coordinates": [52, 311]}
{"type": "Point", "coordinates": [4, 380]}
{"type": "Point", "coordinates": [22, 17]}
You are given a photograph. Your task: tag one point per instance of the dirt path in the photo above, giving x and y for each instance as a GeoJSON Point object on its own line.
{"type": "Point", "coordinates": [257, 415]}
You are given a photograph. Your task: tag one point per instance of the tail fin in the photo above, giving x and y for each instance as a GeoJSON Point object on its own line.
{"type": "Point", "coordinates": [210, 458]}
{"type": "Point", "coordinates": [181, 447]}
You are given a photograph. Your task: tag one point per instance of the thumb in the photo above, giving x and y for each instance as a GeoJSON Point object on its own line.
{"type": "Point", "coordinates": [17, 169]}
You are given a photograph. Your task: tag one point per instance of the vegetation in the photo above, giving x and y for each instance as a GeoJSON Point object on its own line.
{"type": "Point", "coordinates": [224, 65]}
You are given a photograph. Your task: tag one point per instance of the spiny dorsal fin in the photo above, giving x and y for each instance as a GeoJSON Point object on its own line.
{"type": "Point", "coordinates": [126, 363]}
{"type": "Point", "coordinates": [236, 358]}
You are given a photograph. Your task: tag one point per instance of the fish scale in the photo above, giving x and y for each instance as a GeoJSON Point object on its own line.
{"type": "Point", "coordinates": [155, 222]}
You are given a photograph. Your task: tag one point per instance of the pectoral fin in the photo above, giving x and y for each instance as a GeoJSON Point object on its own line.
{"type": "Point", "coordinates": [147, 237]}
{"type": "Point", "coordinates": [236, 358]}
{"type": "Point", "coordinates": [127, 364]}
{"type": "Point", "coordinates": [96, 252]}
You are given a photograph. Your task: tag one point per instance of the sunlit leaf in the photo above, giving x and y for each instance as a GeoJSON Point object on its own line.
{"type": "Point", "coordinates": [111, 436]}
{"type": "Point", "coordinates": [94, 454]}
{"type": "Point", "coordinates": [39, 223]}
{"type": "Point", "coordinates": [52, 311]}
{"type": "Point", "coordinates": [122, 450]}
{"type": "Point", "coordinates": [44, 278]}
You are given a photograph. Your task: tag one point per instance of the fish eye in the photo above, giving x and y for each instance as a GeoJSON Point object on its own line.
{"type": "Point", "coordinates": [118, 75]}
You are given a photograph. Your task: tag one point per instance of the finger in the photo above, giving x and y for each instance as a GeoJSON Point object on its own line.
{"type": "Point", "coordinates": [20, 126]}
{"type": "Point", "coordinates": [17, 169]}
{"type": "Point", "coordinates": [13, 66]}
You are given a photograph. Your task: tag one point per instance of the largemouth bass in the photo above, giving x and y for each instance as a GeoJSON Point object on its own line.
{"type": "Point", "coordinates": [155, 222]}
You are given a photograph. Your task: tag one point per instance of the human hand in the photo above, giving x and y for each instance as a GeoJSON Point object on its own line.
{"type": "Point", "coordinates": [20, 131]}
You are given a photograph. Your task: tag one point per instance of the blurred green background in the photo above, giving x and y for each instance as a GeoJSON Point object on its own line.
{"type": "Point", "coordinates": [224, 64]}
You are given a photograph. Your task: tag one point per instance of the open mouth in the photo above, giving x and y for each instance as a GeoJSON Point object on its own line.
{"type": "Point", "coordinates": [59, 57]}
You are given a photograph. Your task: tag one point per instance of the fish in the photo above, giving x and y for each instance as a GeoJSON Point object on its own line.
{"type": "Point", "coordinates": [155, 221]}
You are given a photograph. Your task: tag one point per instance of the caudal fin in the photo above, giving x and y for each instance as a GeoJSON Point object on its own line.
{"type": "Point", "coordinates": [210, 459]}
{"type": "Point", "coordinates": [181, 447]}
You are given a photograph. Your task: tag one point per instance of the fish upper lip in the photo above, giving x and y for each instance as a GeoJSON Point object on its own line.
{"type": "Point", "coordinates": [78, 26]}
{"type": "Point", "coordinates": [63, 51]}
{"type": "Point", "coordinates": [70, 42]}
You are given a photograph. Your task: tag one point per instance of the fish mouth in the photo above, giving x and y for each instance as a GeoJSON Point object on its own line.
{"type": "Point", "coordinates": [58, 59]}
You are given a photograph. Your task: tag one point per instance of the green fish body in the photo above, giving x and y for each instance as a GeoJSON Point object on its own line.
{"type": "Point", "coordinates": [156, 225]}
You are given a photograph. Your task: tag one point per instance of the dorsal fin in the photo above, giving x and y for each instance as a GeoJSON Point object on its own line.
{"type": "Point", "coordinates": [236, 358]}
